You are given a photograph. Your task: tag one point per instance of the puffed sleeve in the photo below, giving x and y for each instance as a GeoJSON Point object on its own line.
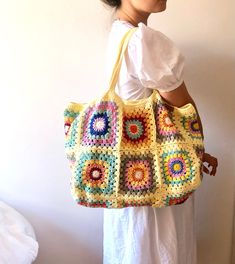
{"type": "Point", "coordinates": [157, 61]}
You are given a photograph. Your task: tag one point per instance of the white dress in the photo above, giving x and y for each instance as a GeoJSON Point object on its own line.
{"type": "Point", "coordinates": [147, 235]}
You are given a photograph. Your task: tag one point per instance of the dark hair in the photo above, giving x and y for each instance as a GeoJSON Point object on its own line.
{"type": "Point", "coordinates": [113, 3]}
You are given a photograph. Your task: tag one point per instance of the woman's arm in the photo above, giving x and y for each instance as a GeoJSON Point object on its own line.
{"type": "Point", "coordinates": [179, 97]}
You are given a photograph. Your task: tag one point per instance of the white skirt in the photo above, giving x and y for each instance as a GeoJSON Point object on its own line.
{"type": "Point", "coordinates": [147, 235]}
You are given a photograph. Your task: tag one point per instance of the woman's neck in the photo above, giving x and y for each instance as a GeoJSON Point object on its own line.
{"type": "Point", "coordinates": [132, 16]}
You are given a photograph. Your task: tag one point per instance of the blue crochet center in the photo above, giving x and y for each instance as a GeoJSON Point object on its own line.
{"type": "Point", "coordinates": [102, 132]}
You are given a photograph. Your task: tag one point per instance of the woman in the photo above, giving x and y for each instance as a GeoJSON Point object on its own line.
{"type": "Point", "coordinates": [147, 235]}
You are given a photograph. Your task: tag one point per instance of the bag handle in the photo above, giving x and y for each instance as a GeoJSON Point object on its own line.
{"type": "Point", "coordinates": [121, 51]}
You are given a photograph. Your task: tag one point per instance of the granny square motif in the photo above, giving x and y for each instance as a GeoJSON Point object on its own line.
{"type": "Point", "coordinates": [138, 132]}
{"type": "Point", "coordinates": [176, 166]}
{"type": "Point", "coordinates": [191, 125]}
{"type": "Point", "coordinates": [165, 123]}
{"type": "Point", "coordinates": [94, 172]}
{"type": "Point", "coordinates": [137, 174]}
{"type": "Point", "coordinates": [100, 125]}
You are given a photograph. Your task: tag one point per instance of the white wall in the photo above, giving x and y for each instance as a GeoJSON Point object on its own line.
{"type": "Point", "coordinates": [52, 52]}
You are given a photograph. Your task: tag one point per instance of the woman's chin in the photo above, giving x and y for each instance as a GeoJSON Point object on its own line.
{"type": "Point", "coordinates": [161, 7]}
{"type": "Point", "coordinates": [160, 10]}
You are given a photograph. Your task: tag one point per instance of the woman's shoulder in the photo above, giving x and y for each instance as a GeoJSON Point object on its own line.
{"type": "Point", "coordinates": [148, 31]}
{"type": "Point", "coordinates": [152, 39]}
{"type": "Point", "coordinates": [143, 33]}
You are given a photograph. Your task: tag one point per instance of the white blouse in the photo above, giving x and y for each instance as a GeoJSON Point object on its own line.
{"type": "Point", "coordinates": [152, 61]}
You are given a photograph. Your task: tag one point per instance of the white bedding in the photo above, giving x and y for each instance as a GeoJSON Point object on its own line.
{"type": "Point", "coordinates": [18, 243]}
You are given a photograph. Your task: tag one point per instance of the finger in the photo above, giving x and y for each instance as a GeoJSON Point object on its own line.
{"type": "Point", "coordinates": [213, 172]}
{"type": "Point", "coordinates": [205, 169]}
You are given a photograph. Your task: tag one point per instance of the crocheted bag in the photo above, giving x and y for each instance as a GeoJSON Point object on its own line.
{"type": "Point", "coordinates": [132, 153]}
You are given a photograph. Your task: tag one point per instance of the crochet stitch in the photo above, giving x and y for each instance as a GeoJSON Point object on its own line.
{"type": "Point", "coordinates": [132, 153]}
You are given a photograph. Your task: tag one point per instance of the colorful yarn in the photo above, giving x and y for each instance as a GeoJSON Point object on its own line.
{"type": "Point", "coordinates": [124, 156]}
{"type": "Point", "coordinates": [136, 174]}
{"type": "Point", "coordinates": [176, 167]}
{"type": "Point", "coordinates": [137, 130]}
{"type": "Point", "coordinates": [165, 122]}
{"type": "Point", "coordinates": [191, 125]}
{"type": "Point", "coordinates": [100, 125]}
{"type": "Point", "coordinates": [94, 173]}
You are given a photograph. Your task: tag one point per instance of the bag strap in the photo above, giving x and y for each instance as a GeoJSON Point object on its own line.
{"type": "Point", "coordinates": [121, 51]}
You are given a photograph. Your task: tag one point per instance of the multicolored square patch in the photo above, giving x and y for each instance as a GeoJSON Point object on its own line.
{"type": "Point", "coordinates": [165, 123]}
{"type": "Point", "coordinates": [95, 172]}
{"type": "Point", "coordinates": [100, 125]}
{"type": "Point", "coordinates": [191, 125]}
{"type": "Point", "coordinates": [137, 174]}
{"type": "Point", "coordinates": [176, 167]}
{"type": "Point", "coordinates": [137, 130]}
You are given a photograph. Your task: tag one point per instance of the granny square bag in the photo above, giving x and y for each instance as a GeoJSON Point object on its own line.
{"type": "Point", "coordinates": [132, 153]}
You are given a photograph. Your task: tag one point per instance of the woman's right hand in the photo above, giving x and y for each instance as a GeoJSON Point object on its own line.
{"type": "Point", "coordinates": [211, 161]}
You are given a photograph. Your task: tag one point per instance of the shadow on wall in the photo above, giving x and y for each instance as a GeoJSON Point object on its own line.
{"type": "Point", "coordinates": [214, 78]}
{"type": "Point", "coordinates": [211, 80]}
